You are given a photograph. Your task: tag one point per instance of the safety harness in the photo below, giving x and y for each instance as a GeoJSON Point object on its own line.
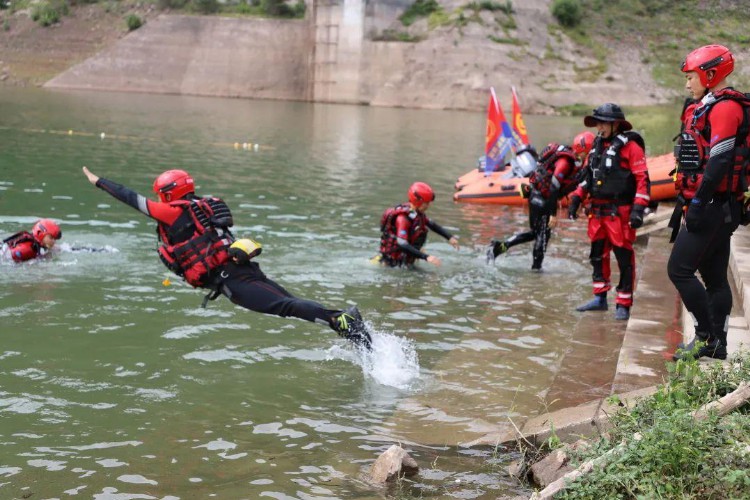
{"type": "Point", "coordinates": [692, 151]}
{"type": "Point", "coordinates": [196, 244]}
{"type": "Point", "coordinates": [609, 180]}
{"type": "Point", "coordinates": [542, 178]}
{"type": "Point", "coordinates": [417, 236]}
{"type": "Point", "coordinates": [20, 238]}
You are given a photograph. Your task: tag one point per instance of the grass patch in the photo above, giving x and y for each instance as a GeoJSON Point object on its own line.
{"type": "Point", "coordinates": [666, 30]}
{"type": "Point", "coordinates": [417, 10]}
{"type": "Point", "coordinates": [439, 18]}
{"type": "Point", "coordinates": [677, 457]}
{"type": "Point", "coordinates": [390, 35]}
{"type": "Point", "coordinates": [506, 40]}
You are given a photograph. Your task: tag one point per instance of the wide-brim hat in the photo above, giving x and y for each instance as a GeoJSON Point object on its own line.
{"type": "Point", "coordinates": [591, 121]}
{"type": "Point", "coordinates": [607, 113]}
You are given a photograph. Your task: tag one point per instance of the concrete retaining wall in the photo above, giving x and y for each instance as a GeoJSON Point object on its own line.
{"type": "Point", "coordinates": [226, 57]}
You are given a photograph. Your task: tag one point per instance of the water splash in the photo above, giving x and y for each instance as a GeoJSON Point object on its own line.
{"type": "Point", "coordinates": [393, 360]}
{"type": "Point", "coordinates": [77, 248]}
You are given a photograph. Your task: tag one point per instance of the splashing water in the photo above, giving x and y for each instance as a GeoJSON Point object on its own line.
{"type": "Point", "coordinates": [393, 360]}
{"type": "Point", "coordinates": [76, 248]}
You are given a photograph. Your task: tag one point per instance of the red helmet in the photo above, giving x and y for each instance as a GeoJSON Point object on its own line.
{"type": "Point", "coordinates": [420, 193]}
{"type": "Point", "coordinates": [583, 142]}
{"type": "Point", "coordinates": [44, 227]}
{"type": "Point", "coordinates": [709, 57]}
{"type": "Point", "coordinates": [173, 185]}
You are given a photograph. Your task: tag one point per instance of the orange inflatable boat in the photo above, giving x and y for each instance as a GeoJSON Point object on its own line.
{"type": "Point", "coordinates": [500, 188]}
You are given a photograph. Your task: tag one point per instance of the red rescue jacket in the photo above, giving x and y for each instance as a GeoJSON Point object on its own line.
{"type": "Point", "coordinates": [694, 146]}
{"type": "Point", "coordinates": [23, 246]}
{"type": "Point", "coordinates": [192, 246]}
{"type": "Point", "coordinates": [417, 236]}
{"type": "Point", "coordinates": [547, 170]}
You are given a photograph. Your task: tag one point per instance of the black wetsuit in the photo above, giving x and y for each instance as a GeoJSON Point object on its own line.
{"type": "Point", "coordinates": [245, 285]}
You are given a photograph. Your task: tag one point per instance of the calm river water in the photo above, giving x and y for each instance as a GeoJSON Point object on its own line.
{"type": "Point", "coordinates": [113, 385]}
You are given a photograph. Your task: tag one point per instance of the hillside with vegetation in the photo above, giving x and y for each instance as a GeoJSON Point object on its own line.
{"type": "Point", "coordinates": [563, 55]}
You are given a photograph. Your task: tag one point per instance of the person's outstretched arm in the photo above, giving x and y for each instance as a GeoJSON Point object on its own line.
{"type": "Point", "coordinates": [162, 212]}
{"type": "Point", "coordinates": [402, 231]}
{"type": "Point", "coordinates": [434, 226]}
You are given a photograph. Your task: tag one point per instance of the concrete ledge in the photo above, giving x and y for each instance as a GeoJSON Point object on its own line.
{"type": "Point", "coordinates": [645, 349]}
{"type": "Point", "coordinates": [654, 315]}
{"type": "Point", "coordinates": [568, 424]}
{"type": "Point", "coordinates": [739, 265]}
{"type": "Point", "coordinates": [565, 423]}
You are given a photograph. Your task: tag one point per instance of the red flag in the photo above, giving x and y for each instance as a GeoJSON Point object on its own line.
{"type": "Point", "coordinates": [499, 138]}
{"type": "Point", "coordinates": [493, 122]}
{"type": "Point", "coordinates": [519, 127]}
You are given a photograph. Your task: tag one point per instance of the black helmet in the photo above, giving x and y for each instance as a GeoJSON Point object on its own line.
{"type": "Point", "coordinates": [607, 112]}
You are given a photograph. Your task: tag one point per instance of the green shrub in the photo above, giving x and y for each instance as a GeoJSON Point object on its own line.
{"type": "Point", "coordinates": [438, 19]}
{"type": "Point", "coordinates": [390, 35]}
{"type": "Point", "coordinates": [420, 8]}
{"type": "Point", "coordinates": [244, 8]}
{"type": "Point", "coordinates": [47, 13]}
{"type": "Point", "coordinates": [133, 21]}
{"type": "Point", "coordinates": [299, 8]}
{"type": "Point", "coordinates": [492, 6]}
{"type": "Point", "coordinates": [277, 8]}
{"type": "Point", "coordinates": [567, 12]}
{"type": "Point", "coordinates": [171, 4]}
{"type": "Point", "coordinates": [205, 6]}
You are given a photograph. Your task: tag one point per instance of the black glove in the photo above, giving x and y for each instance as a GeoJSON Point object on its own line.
{"type": "Point", "coordinates": [636, 216]}
{"type": "Point", "coordinates": [695, 217]}
{"type": "Point", "coordinates": [575, 204]}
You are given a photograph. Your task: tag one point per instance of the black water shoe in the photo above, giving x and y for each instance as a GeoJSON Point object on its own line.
{"type": "Point", "coordinates": [495, 249]}
{"type": "Point", "coordinates": [350, 325]}
{"type": "Point", "coordinates": [698, 348]}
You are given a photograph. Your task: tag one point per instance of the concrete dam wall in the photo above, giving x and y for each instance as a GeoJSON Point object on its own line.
{"type": "Point", "coordinates": [202, 56]}
{"type": "Point", "coordinates": [324, 58]}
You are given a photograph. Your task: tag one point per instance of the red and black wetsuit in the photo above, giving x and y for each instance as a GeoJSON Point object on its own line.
{"type": "Point", "coordinates": [616, 178]}
{"type": "Point", "coordinates": [23, 246]}
{"type": "Point", "coordinates": [245, 285]}
{"type": "Point", "coordinates": [716, 121]}
{"type": "Point", "coordinates": [404, 233]}
{"type": "Point", "coordinates": [552, 179]}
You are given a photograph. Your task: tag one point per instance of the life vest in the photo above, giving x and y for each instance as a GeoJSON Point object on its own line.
{"type": "Point", "coordinates": [197, 242]}
{"type": "Point", "coordinates": [541, 178]}
{"type": "Point", "coordinates": [23, 246]}
{"type": "Point", "coordinates": [693, 146]}
{"type": "Point", "coordinates": [608, 179]}
{"type": "Point", "coordinates": [417, 236]}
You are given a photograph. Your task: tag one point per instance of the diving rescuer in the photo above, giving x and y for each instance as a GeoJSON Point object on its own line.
{"type": "Point", "coordinates": [403, 230]}
{"type": "Point", "coordinates": [196, 244]}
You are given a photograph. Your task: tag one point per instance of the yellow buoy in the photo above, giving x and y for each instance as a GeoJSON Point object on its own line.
{"type": "Point", "coordinates": [166, 282]}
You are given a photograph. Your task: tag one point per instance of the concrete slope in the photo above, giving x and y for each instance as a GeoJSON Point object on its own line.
{"type": "Point", "coordinates": [197, 55]}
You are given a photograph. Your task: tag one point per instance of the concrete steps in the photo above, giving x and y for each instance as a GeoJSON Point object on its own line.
{"type": "Point", "coordinates": [646, 347]}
